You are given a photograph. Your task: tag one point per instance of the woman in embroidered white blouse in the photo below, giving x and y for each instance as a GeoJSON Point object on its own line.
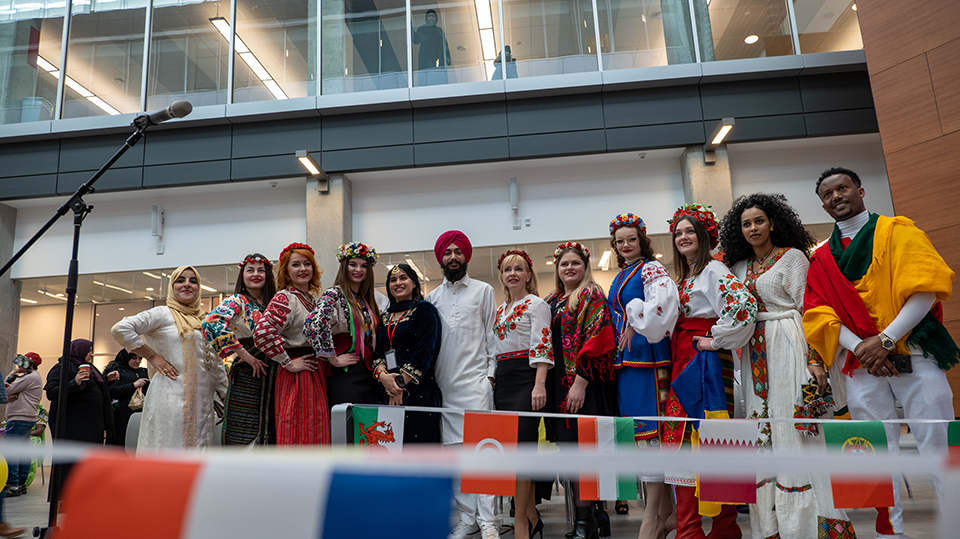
{"type": "Point", "coordinates": [524, 354]}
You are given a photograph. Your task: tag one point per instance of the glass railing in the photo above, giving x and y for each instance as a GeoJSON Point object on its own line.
{"type": "Point", "coordinates": [279, 51]}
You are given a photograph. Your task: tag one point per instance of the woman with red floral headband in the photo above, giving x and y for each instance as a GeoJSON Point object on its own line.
{"type": "Point", "coordinates": [644, 307]}
{"type": "Point", "coordinates": [248, 410]}
{"type": "Point", "coordinates": [584, 344]}
{"type": "Point", "coordinates": [343, 327]}
{"type": "Point", "coordinates": [524, 352]}
{"type": "Point", "coordinates": [717, 314]}
{"type": "Point", "coordinates": [300, 407]}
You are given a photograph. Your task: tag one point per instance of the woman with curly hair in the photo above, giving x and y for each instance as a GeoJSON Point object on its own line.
{"type": "Point", "coordinates": [717, 314]}
{"type": "Point", "coordinates": [524, 354]}
{"type": "Point", "coordinates": [584, 343]}
{"type": "Point", "coordinates": [766, 245]}
{"type": "Point", "coordinates": [300, 408]}
{"type": "Point", "coordinates": [343, 327]}
{"type": "Point", "coordinates": [644, 306]}
{"type": "Point", "coordinates": [248, 410]}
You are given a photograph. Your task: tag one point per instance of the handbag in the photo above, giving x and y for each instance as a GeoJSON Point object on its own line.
{"type": "Point", "coordinates": [136, 401]}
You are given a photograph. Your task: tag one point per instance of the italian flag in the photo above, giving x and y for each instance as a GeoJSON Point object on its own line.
{"type": "Point", "coordinates": [607, 435]}
{"type": "Point", "coordinates": [378, 428]}
{"type": "Point", "coordinates": [859, 439]}
{"type": "Point", "coordinates": [487, 433]}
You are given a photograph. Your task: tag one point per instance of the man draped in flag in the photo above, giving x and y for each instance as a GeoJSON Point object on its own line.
{"type": "Point", "coordinates": [873, 302]}
{"type": "Point", "coordinates": [465, 366]}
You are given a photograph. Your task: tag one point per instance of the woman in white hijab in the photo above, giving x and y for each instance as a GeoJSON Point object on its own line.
{"type": "Point", "coordinates": [178, 412]}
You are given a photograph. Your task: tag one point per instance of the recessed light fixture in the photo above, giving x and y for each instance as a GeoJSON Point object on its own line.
{"type": "Point", "coordinates": [77, 87]}
{"type": "Point", "coordinates": [25, 300]}
{"type": "Point", "coordinates": [207, 288]}
{"type": "Point", "coordinates": [149, 289]}
{"type": "Point", "coordinates": [853, 7]}
{"type": "Point", "coordinates": [261, 72]}
{"type": "Point", "coordinates": [121, 309]}
{"type": "Point", "coordinates": [751, 39]}
{"type": "Point", "coordinates": [124, 290]}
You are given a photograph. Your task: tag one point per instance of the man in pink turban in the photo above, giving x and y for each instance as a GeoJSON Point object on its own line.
{"type": "Point", "coordinates": [466, 363]}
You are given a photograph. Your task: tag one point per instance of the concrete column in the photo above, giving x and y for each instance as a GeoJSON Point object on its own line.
{"type": "Point", "coordinates": [707, 183]}
{"type": "Point", "coordinates": [9, 292]}
{"type": "Point", "coordinates": [329, 222]}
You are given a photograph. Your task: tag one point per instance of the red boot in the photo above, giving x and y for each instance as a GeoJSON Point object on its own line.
{"type": "Point", "coordinates": [689, 521]}
{"type": "Point", "coordinates": [725, 524]}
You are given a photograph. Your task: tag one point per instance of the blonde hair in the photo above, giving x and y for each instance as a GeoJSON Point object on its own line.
{"type": "Point", "coordinates": [585, 282]}
{"type": "Point", "coordinates": [283, 276]}
{"type": "Point", "coordinates": [531, 286]}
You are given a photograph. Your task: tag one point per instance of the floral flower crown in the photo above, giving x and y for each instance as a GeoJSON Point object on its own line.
{"type": "Point", "coordinates": [294, 246]}
{"type": "Point", "coordinates": [570, 245]}
{"type": "Point", "coordinates": [355, 249]}
{"type": "Point", "coordinates": [701, 213]}
{"type": "Point", "coordinates": [521, 254]}
{"type": "Point", "coordinates": [256, 259]}
{"type": "Point", "coordinates": [627, 219]}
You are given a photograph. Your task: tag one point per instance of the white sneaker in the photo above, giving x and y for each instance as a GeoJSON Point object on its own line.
{"type": "Point", "coordinates": [490, 531]}
{"type": "Point", "coordinates": [463, 530]}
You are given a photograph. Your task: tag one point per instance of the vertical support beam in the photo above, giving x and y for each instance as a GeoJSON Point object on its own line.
{"type": "Point", "coordinates": [232, 59]}
{"type": "Point", "coordinates": [596, 35]}
{"type": "Point", "coordinates": [794, 33]}
{"type": "Point", "coordinates": [64, 41]}
{"type": "Point", "coordinates": [410, 46]}
{"type": "Point", "coordinates": [329, 221]}
{"type": "Point", "coordinates": [9, 292]}
{"type": "Point", "coordinates": [707, 184]}
{"type": "Point", "coordinates": [147, 40]}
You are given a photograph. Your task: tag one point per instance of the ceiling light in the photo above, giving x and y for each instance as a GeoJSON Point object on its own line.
{"type": "Point", "coordinates": [853, 7]}
{"type": "Point", "coordinates": [149, 289]}
{"type": "Point", "coordinates": [716, 138]}
{"type": "Point", "coordinates": [751, 39]}
{"type": "Point", "coordinates": [77, 87]}
{"type": "Point", "coordinates": [604, 263]}
{"type": "Point", "coordinates": [25, 300]}
{"type": "Point", "coordinates": [417, 270]}
{"type": "Point", "coordinates": [121, 309]}
{"type": "Point", "coordinates": [124, 290]}
{"type": "Point", "coordinates": [659, 255]}
{"type": "Point", "coordinates": [248, 57]}
{"type": "Point", "coordinates": [308, 163]}
{"type": "Point", "coordinates": [207, 288]}
{"type": "Point", "coordinates": [721, 134]}
{"type": "Point", "coordinates": [148, 274]}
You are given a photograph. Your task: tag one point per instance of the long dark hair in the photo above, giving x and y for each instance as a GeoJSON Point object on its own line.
{"type": "Point", "coordinates": [646, 248]}
{"type": "Point", "coordinates": [366, 287]}
{"type": "Point", "coordinates": [417, 291]}
{"type": "Point", "coordinates": [787, 229]}
{"type": "Point", "coordinates": [684, 271]}
{"type": "Point", "coordinates": [269, 285]}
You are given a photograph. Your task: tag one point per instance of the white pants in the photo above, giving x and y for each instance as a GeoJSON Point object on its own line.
{"type": "Point", "coordinates": [924, 394]}
{"type": "Point", "coordinates": [475, 509]}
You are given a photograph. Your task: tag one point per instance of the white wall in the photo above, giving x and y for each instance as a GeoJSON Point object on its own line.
{"type": "Point", "coordinates": [205, 225]}
{"type": "Point", "coordinates": [792, 168]}
{"type": "Point", "coordinates": [571, 197]}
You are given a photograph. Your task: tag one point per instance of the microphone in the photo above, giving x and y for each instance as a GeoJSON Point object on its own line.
{"type": "Point", "coordinates": [178, 109]}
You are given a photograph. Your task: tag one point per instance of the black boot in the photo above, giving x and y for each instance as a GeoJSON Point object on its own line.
{"type": "Point", "coordinates": [585, 523]}
{"type": "Point", "coordinates": [603, 520]}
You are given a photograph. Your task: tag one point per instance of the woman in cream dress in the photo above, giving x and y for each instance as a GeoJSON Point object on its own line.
{"type": "Point", "coordinates": [178, 412]}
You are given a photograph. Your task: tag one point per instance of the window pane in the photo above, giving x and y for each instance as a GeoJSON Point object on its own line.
{"type": "Point", "coordinates": [188, 55]}
{"type": "Point", "coordinates": [280, 37]}
{"type": "Point", "coordinates": [30, 36]}
{"type": "Point", "coordinates": [827, 25]}
{"type": "Point", "coordinates": [364, 45]}
{"type": "Point", "coordinates": [104, 58]}
{"type": "Point", "coordinates": [548, 37]}
{"type": "Point", "coordinates": [644, 33]}
{"type": "Point", "coordinates": [743, 29]}
{"type": "Point", "coordinates": [454, 41]}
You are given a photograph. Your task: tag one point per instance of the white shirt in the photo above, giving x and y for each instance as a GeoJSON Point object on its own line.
{"type": "Point", "coordinates": [524, 325]}
{"type": "Point", "coordinates": [467, 309]}
{"type": "Point", "coordinates": [717, 293]}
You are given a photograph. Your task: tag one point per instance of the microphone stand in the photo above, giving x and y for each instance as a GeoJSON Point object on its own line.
{"type": "Point", "coordinates": [80, 212]}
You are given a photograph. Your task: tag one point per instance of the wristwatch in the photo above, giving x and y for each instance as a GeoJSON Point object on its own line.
{"type": "Point", "coordinates": [400, 383]}
{"type": "Point", "coordinates": [886, 342]}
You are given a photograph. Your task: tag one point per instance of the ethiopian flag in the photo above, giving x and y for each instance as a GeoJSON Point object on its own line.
{"type": "Point", "coordinates": [607, 435]}
{"type": "Point", "coordinates": [859, 438]}
{"type": "Point", "coordinates": [378, 428]}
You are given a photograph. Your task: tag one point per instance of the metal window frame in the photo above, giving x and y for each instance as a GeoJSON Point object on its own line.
{"type": "Point", "coordinates": [61, 82]}
{"type": "Point", "coordinates": [147, 41]}
{"type": "Point", "coordinates": [794, 32]}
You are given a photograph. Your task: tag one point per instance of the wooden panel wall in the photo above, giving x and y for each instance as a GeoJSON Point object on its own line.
{"type": "Point", "coordinates": [913, 57]}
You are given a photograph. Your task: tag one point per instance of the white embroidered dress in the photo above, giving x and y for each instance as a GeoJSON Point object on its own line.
{"type": "Point", "coordinates": [177, 414]}
{"type": "Point", "coordinates": [791, 505]}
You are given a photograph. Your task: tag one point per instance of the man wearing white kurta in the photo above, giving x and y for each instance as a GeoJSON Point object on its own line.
{"type": "Point", "coordinates": [466, 363]}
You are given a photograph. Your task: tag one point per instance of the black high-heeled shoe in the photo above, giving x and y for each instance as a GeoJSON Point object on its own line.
{"type": "Point", "coordinates": [537, 528]}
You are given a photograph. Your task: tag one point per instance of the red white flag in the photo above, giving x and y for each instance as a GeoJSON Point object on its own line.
{"type": "Point", "coordinates": [728, 434]}
{"type": "Point", "coordinates": [487, 433]}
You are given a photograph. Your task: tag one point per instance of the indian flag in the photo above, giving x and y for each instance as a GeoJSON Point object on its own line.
{"type": "Point", "coordinates": [378, 428]}
{"type": "Point", "coordinates": [859, 439]}
{"type": "Point", "coordinates": [607, 435]}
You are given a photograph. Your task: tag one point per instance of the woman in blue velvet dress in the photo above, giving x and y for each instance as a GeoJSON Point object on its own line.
{"type": "Point", "coordinates": [644, 306]}
{"type": "Point", "coordinates": [408, 342]}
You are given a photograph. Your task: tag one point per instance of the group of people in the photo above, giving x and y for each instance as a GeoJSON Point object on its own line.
{"type": "Point", "coordinates": [846, 315]}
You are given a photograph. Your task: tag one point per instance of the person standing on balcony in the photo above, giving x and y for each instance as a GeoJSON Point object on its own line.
{"type": "Point", "coordinates": [466, 364]}
{"type": "Point", "coordinates": [433, 56]}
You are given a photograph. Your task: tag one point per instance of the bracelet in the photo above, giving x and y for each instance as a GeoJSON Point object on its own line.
{"type": "Point", "coordinates": [376, 374]}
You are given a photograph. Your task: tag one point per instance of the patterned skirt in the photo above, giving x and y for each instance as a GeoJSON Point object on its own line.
{"type": "Point", "coordinates": [303, 417]}
{"type": "Point", "coordinates": [248, 413]}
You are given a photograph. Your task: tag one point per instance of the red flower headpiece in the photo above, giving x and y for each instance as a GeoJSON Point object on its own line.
{"type": "Point", "coordinates": [571, 245]}
{"type": "Point", "coordinates": [521, 254]}
{"type": "Point", "coordinates": [294, 246]}
{"type": "Point", "coordinates": [356, 249]}
{"type": "Point", "coordinates": [627, 219]}
{"type": "Point", "coordinates": [701, 213]}
{"type": "Point", "coordinates": [255, 259]}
